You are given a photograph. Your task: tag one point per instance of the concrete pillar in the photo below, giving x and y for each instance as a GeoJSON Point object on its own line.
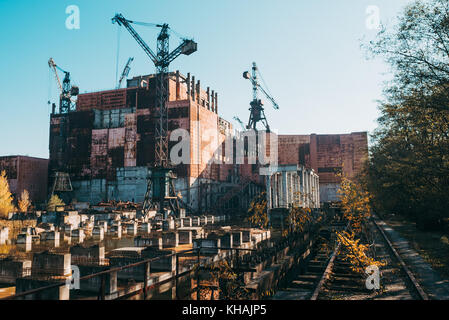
{"type": "Point", "coordinates": [284, 194]}
{"type": "Point", "coordinates": [208, 98]}
{"type": "Point", "coordinates": [216, 103]}
{"type": "Point", "coordinates": [268, 186]}
{"type": "Point", "coordinates": [178, 88]}
{"type": "Point", "coordinates": [198, 86]}
{"type": "Point", "coordinates": [188, 85]}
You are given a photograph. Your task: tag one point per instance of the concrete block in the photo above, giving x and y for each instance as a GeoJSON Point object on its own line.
{"type": "Point", "coordinates": [131, 228]}
{"type": "Point", "coordinates": [164, 263]}
{"type": "Point", "coordinates": [87, 255]}
{"type": "Point", "coordinates": [196, 221]}
{"type": "Point", "coordinates": [98, 233]}
{"type": "Point", "coordinates": [78, 235]}
{"type": "Point", "coordinates": [27, 284]}
{"type": "Point", "coordinates": [237, 238]}
{"type": "Point", "coordinates": [48, 263]}
{"type": "Point", "coordinates": [246, 235]}
{"type": "Point", "coordinates": [148, 242]}
{"type": "Point", "coordinates": [168, 224]}
{"type": "Point", "coordinates": [170, 239]}
{"type": "Point", "coordinates": [145, 227]}
{"type": "Point", "coordinates": [23, 238]}
{"type": "Point", "coordinates": [179, 223]}
{"type": "Point", "coordinates": [185, 236]}
{"type": "Point", "coordinates": [187, 222]}
{"type": "Point", "coordinates": [208, 246]}
{"type": "Point", "coordinates": [11, 269]}
{"type": "Point", "coordinates": [226, 240]}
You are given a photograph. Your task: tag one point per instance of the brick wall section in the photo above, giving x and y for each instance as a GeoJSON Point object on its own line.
{"type": "Point", "coordinates": [326, 153]}
{"type": "Point", "coordinates": [26, 173]}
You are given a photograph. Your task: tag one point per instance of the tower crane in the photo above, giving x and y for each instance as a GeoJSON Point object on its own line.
{"type": "Point", "coordinates": [257, 113]}
{"type": "Point", "coordinates": [61, 177]}
{"type": "Point", "coordinates": [125, 72]}
{"type": "Point", "coordinates": [160, 185]}
{"type": "Point", "coordinates": [66, 102]}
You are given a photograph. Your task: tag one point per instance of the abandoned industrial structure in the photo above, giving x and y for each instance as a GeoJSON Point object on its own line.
{"type": "Point", "coordinates": [133, 216]}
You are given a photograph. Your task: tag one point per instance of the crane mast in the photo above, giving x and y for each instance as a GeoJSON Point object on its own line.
{"type": "Point", "coordinates": [160, 184]}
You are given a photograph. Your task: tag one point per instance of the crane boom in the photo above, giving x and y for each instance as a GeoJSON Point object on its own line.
{"type": "Point", "coordinates": [240, 122]}
{"type": "Point", "coordinates": [125, 72]}
{"type": "Point", "coordinates": [121, 21]}
{"type": "Point", "coordinates": [52, 64]}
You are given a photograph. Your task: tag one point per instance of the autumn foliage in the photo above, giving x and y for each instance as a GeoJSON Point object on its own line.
{"type": "Point", "coordinates": [24, 202]}
{"type": "Point", "coordinates": [6, 204]}
{"type": "Point", "coordinates": [355, 203]}
{"type": "Point", "coordinates": [54, 202]}
{"type": "Point", "coordinates": [355, 252]}
{"type": "Point", "coordinates": [258, 211]}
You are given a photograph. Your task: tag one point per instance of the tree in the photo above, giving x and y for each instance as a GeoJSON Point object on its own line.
{"type": "Point", "coordinates": [24, 202]}
{"type": "Point", "coordinates": [356, 253]}
{"type": "Point", "coordinates": [355, 203]}
{"type": "Point", "coordinates": [54, 202]}
{"type": "Point", "coordinates": [408, 171]}
{"type": "Point", "coordinates": [258, 211]}
{"type": "Point", "coordinates": [6, 205]}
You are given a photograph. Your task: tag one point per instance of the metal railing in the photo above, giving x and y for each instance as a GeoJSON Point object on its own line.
{"type": "Point", "coordinates": [145, 263]}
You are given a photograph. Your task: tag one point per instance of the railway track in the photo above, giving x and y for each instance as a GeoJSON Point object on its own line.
{"type": "Point", "coordinates": [328, 276]}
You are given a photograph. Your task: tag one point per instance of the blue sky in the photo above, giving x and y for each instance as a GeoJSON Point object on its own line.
{"type": "Point", "coordinates": [308, 53]}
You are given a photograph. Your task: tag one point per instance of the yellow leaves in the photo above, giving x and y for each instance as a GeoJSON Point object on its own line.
{"type": "Point", "coordinates": [222, 273]}
{"type": "Point", "coordinates": [5, 249]}
{"type": "Point", "coordinates": [355, 253]}
{"type": "Point", "coordinates": [24, 201]}
{"type": "Point", "coordinates": [299, 217]}
{"type": "Point", "coordinates": [258, 208]}
{"type": "Point", "coordinates": [54, 202]}
{"type": "Point", "coordinates": [355, 203]}
{"type": "Point", "coordinates": [6, 205]}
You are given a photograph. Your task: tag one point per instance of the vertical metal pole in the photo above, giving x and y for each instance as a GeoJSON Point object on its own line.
{"type": "Point", "coordinates": [198, 277]}
{"type": "Point", "coordinates": [101, 295]}
{"type": "Point", "coordinates": [176, 278]}
{"type": "Point", "coordinates": [145, 280]}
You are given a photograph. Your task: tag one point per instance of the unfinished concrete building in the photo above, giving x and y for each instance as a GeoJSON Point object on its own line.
{"type": "Point", "coordinates": [107, 144]}
{"type": "Point", "coordinates": [326, 154]}
{"type": "Point", "coordinates": [28, 173]}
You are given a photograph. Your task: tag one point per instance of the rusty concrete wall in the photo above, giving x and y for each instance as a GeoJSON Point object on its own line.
{"type": "Point", "coordinates": [26, 173]}
{"type": "Point", "coordinates": [118, 134]}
